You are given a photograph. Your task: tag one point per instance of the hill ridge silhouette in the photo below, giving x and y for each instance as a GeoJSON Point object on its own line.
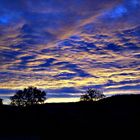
{"type": "Point", "coordinates": [115, 113]}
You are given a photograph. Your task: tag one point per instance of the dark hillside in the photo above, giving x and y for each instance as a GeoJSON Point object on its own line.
{"type": "Point", "coordinates": [117, 113]}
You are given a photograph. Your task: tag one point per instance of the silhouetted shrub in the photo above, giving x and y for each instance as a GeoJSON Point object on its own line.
{"type": "Point", "coordinates": [1, 103]}
{"type": "Point", "coordinates": [92, 94]}
{"type": "Point", "coordinates": [28, 96]}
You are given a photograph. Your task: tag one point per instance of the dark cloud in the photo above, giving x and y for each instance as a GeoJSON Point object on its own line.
{"type": "Point", "coordinates": [65, 75]}
{"type": "Point", "coordinates": [64, 92]}
{"type": "Point", "coordinates": [48, 62]}
{"type": "Point", "coordinates": [114, 47]}
{"type": "Point", "coordinates": [73, 67]}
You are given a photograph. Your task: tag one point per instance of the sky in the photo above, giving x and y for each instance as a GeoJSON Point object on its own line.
{"type": "Point", "coordinates": [65, 47]}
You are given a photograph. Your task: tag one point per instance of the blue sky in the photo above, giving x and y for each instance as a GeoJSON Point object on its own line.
{"type": "Point", "coordinates": [66, 47]}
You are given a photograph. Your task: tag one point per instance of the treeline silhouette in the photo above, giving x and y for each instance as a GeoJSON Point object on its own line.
{"type": "Point", "coordinates": [32, 96]}
{"type": "Point", "coordinates": [92, 95]}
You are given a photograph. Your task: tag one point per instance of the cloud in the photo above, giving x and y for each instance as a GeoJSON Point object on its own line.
{"type": "Point", "coordinates": [4, 93]}
{"type": "Point", "coordinates": [75, 44]}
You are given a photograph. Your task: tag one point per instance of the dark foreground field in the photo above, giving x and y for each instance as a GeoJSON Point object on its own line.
{"type": "Point", "coordinates": [115, 115]}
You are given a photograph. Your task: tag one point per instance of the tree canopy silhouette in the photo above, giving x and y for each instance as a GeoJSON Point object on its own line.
{"type": "Point", "coordinates": [92, 94]}
{"type": "Point", "coordinates": [28, 96]}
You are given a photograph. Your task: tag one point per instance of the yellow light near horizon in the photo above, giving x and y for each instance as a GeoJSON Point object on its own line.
{"type": "Point", "coordinates": [61, 100]}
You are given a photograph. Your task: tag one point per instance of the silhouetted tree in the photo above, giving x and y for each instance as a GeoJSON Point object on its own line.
{"type": "Point", "coordinates": [92, 94]}
{"type": "Point", "coordinates": [84, 97]}
{"type": "Point", "coordinates": [28, 96]}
